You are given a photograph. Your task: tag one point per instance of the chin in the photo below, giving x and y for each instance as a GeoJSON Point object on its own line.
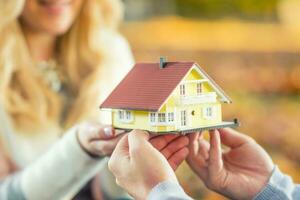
{"type": "Point", "coordinates": [59, 29]}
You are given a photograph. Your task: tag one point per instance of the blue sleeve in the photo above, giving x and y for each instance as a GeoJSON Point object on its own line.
{"type": "Point", "coordinates": [10, 188]}
{"type": "Point", "coordinates": [279, 187]}
{"type": "Point", "coordinates": [168, 190]}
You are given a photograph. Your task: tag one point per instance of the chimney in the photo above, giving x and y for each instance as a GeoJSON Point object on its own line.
{"type": "Point", "coordinates": [162, 62]}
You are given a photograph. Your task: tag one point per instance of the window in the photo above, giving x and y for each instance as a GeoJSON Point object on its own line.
{"type": "Point", "coordinates": [208, 112]}
{"type": "Point", "coordinates": [125, 116]}
{"type": "Point", "coordinates": [161, 117]}
{"type": "Point", "coordinates": [199, 88]}
{"type": "Point", "coordinates": [121, 114]}
{"type": "Point", "coordinates": [128, 115]}
{"type": "Point", "coordinates": [182, 89]}
{"type": "Point", "coordinates": [152, 117]}
{"type": "Point", "coordinates": [183, 118]}
{"type": "Point", "coordinates": [170, 117]}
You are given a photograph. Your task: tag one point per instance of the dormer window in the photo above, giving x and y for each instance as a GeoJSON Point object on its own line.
{"type": "Point", "coordinates": [182, 89]}
{"type": "Point", "coordinates": [199, 88]}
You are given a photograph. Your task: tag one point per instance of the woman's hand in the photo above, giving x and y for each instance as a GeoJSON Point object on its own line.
{"type": "Point", "coordinates": [97, 139]}
{"type": "Point", "coordinates": [239, 173]}
{"type": "Point", "coordinates": [138, 166]}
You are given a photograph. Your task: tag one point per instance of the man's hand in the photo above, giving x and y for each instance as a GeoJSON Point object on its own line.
{"type": "Point", "coordinates": [138, 166]}
{"type": "Point", "coordinates": [239, 173]}
{"type": "Point", "coordinates": [172, 147]}
{"type": "Point", "coordinates": [97, 139]}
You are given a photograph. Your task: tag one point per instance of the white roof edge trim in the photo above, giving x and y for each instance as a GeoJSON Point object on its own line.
{"type": "Point", "coordinates": [212, 83]}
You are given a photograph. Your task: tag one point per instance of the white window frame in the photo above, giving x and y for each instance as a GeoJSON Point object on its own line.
{"type": "Point", "coordinates": [170, 117]}
{"type": "Point", "coordinates": [161, 118]}
{"type": "Point", "coordinates": [182, 89]}
{"type": "Point", "coordinates": [152, 117]}
{"type": "Point", "coordinates": [209, 112]}
{"type": "Point", "coordinates": [125, 116]}
{"type": "Point", "coordinates": [121, 115]}
{"type": "Point", "coordinates": [128, 115]}
{"type": "Point", "coordinates": [199, 88]}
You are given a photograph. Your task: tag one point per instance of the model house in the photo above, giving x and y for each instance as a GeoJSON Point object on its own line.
{"type": "Point", "coordinates": [167, 97]}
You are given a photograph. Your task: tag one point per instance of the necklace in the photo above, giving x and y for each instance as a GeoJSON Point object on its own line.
{"type": "Point", "coordinates": [50, 74]}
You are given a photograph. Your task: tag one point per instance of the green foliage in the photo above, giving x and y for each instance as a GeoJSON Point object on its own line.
{"type": "Point", "coordinates": [214, 9]}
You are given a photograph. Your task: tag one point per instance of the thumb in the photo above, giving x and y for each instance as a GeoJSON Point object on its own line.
{"type": "Point", "coordinates": [138, 140]}
{"type": "Point", "coordinates": [120, 156]}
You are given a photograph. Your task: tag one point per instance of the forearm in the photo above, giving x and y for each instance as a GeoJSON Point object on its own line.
{"type": "Point", "coordinates": [61, 172]}
{"type": "Point", "coordinates": [168, 191]}
{"type": "Point", "coordinates": [279, 187]}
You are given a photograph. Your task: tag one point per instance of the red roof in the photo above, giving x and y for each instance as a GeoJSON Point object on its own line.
{"type": "Point", "coordinates": [147, 86]}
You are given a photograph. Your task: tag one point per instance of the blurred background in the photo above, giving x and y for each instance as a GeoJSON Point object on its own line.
{"type": "Point", "coordinates": [250, 47]}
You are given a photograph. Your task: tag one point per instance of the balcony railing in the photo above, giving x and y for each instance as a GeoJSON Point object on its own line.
{"type": "Point", "coordinates": [210, 97]}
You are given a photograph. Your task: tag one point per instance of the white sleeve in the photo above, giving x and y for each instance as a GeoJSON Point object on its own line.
{"type": "Point", "coordinates": [61, 172]}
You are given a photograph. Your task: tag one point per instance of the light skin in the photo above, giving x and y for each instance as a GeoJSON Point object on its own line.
{"type": "Point", "coordinates": [100, 140]}
{"type": "Point", "coordinates": [97, 139]}
{"type": "Point", "coordinates": [239, 173]}
{"type": "Point", "coordinates": [55, 18]}
{"type": "Point", "coordinates": [138, 166]}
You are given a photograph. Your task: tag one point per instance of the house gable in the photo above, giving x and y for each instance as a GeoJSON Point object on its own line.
{"type": "Point", "coordinates": [196, 73]}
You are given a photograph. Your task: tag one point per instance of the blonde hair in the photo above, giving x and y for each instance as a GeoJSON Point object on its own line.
{"type": "Point", "coordinates": [28, 100]}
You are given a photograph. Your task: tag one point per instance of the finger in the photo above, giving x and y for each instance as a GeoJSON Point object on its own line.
{"type": "Point", "coordinates": [202, 157]}
{"type": "Point", "coordinates": [232, 138]}
{"type": "Point", "coordinates": [97, 131]}
{"type": "Point", "coordinates": [178, 157]}
{"type": "Point", "coordinates": [194, 143]}
{"type": "Point", "coordinates": [138, 140]}
{"type": "Point", "coordinates": [161, 141]}
{"type": "Point", "coordinates": [204, 147]}
{"type": "Point", "coordinates": [175, 146]}
{"type": "Point", "coordinates": [215, 163]}
{"type": "Point", "coordinates": [104, 147]}
{"type": "Point", "coordinates": [120, 156]}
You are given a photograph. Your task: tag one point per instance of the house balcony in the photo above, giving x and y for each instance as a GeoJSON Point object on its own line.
{"type": "Point", "coordinates": [210, 97]}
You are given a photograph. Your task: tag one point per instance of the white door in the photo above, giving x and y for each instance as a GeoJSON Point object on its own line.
{"type": "Point", "coordinates": [183, 118]}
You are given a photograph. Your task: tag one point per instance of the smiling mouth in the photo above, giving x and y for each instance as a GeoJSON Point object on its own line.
{"type": "Point", "coordinates": [54, 2]}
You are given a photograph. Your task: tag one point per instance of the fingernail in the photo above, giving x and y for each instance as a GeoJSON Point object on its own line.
{"type": "Point", "coordinates": [108, 132]}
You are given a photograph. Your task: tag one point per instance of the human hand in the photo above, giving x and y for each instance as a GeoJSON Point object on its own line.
{"type": "Point", "coordinates": [97, 139]}
{"type": "Point", "coordinates": [239, 173]}
{"type": "Point", "coordinates": [138, 166]}
{"type": "Point", "coordinates": [172, 146]}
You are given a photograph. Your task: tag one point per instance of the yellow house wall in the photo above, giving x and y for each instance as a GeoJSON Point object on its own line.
{"type": "Point", "coordinates": [140, 121]}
